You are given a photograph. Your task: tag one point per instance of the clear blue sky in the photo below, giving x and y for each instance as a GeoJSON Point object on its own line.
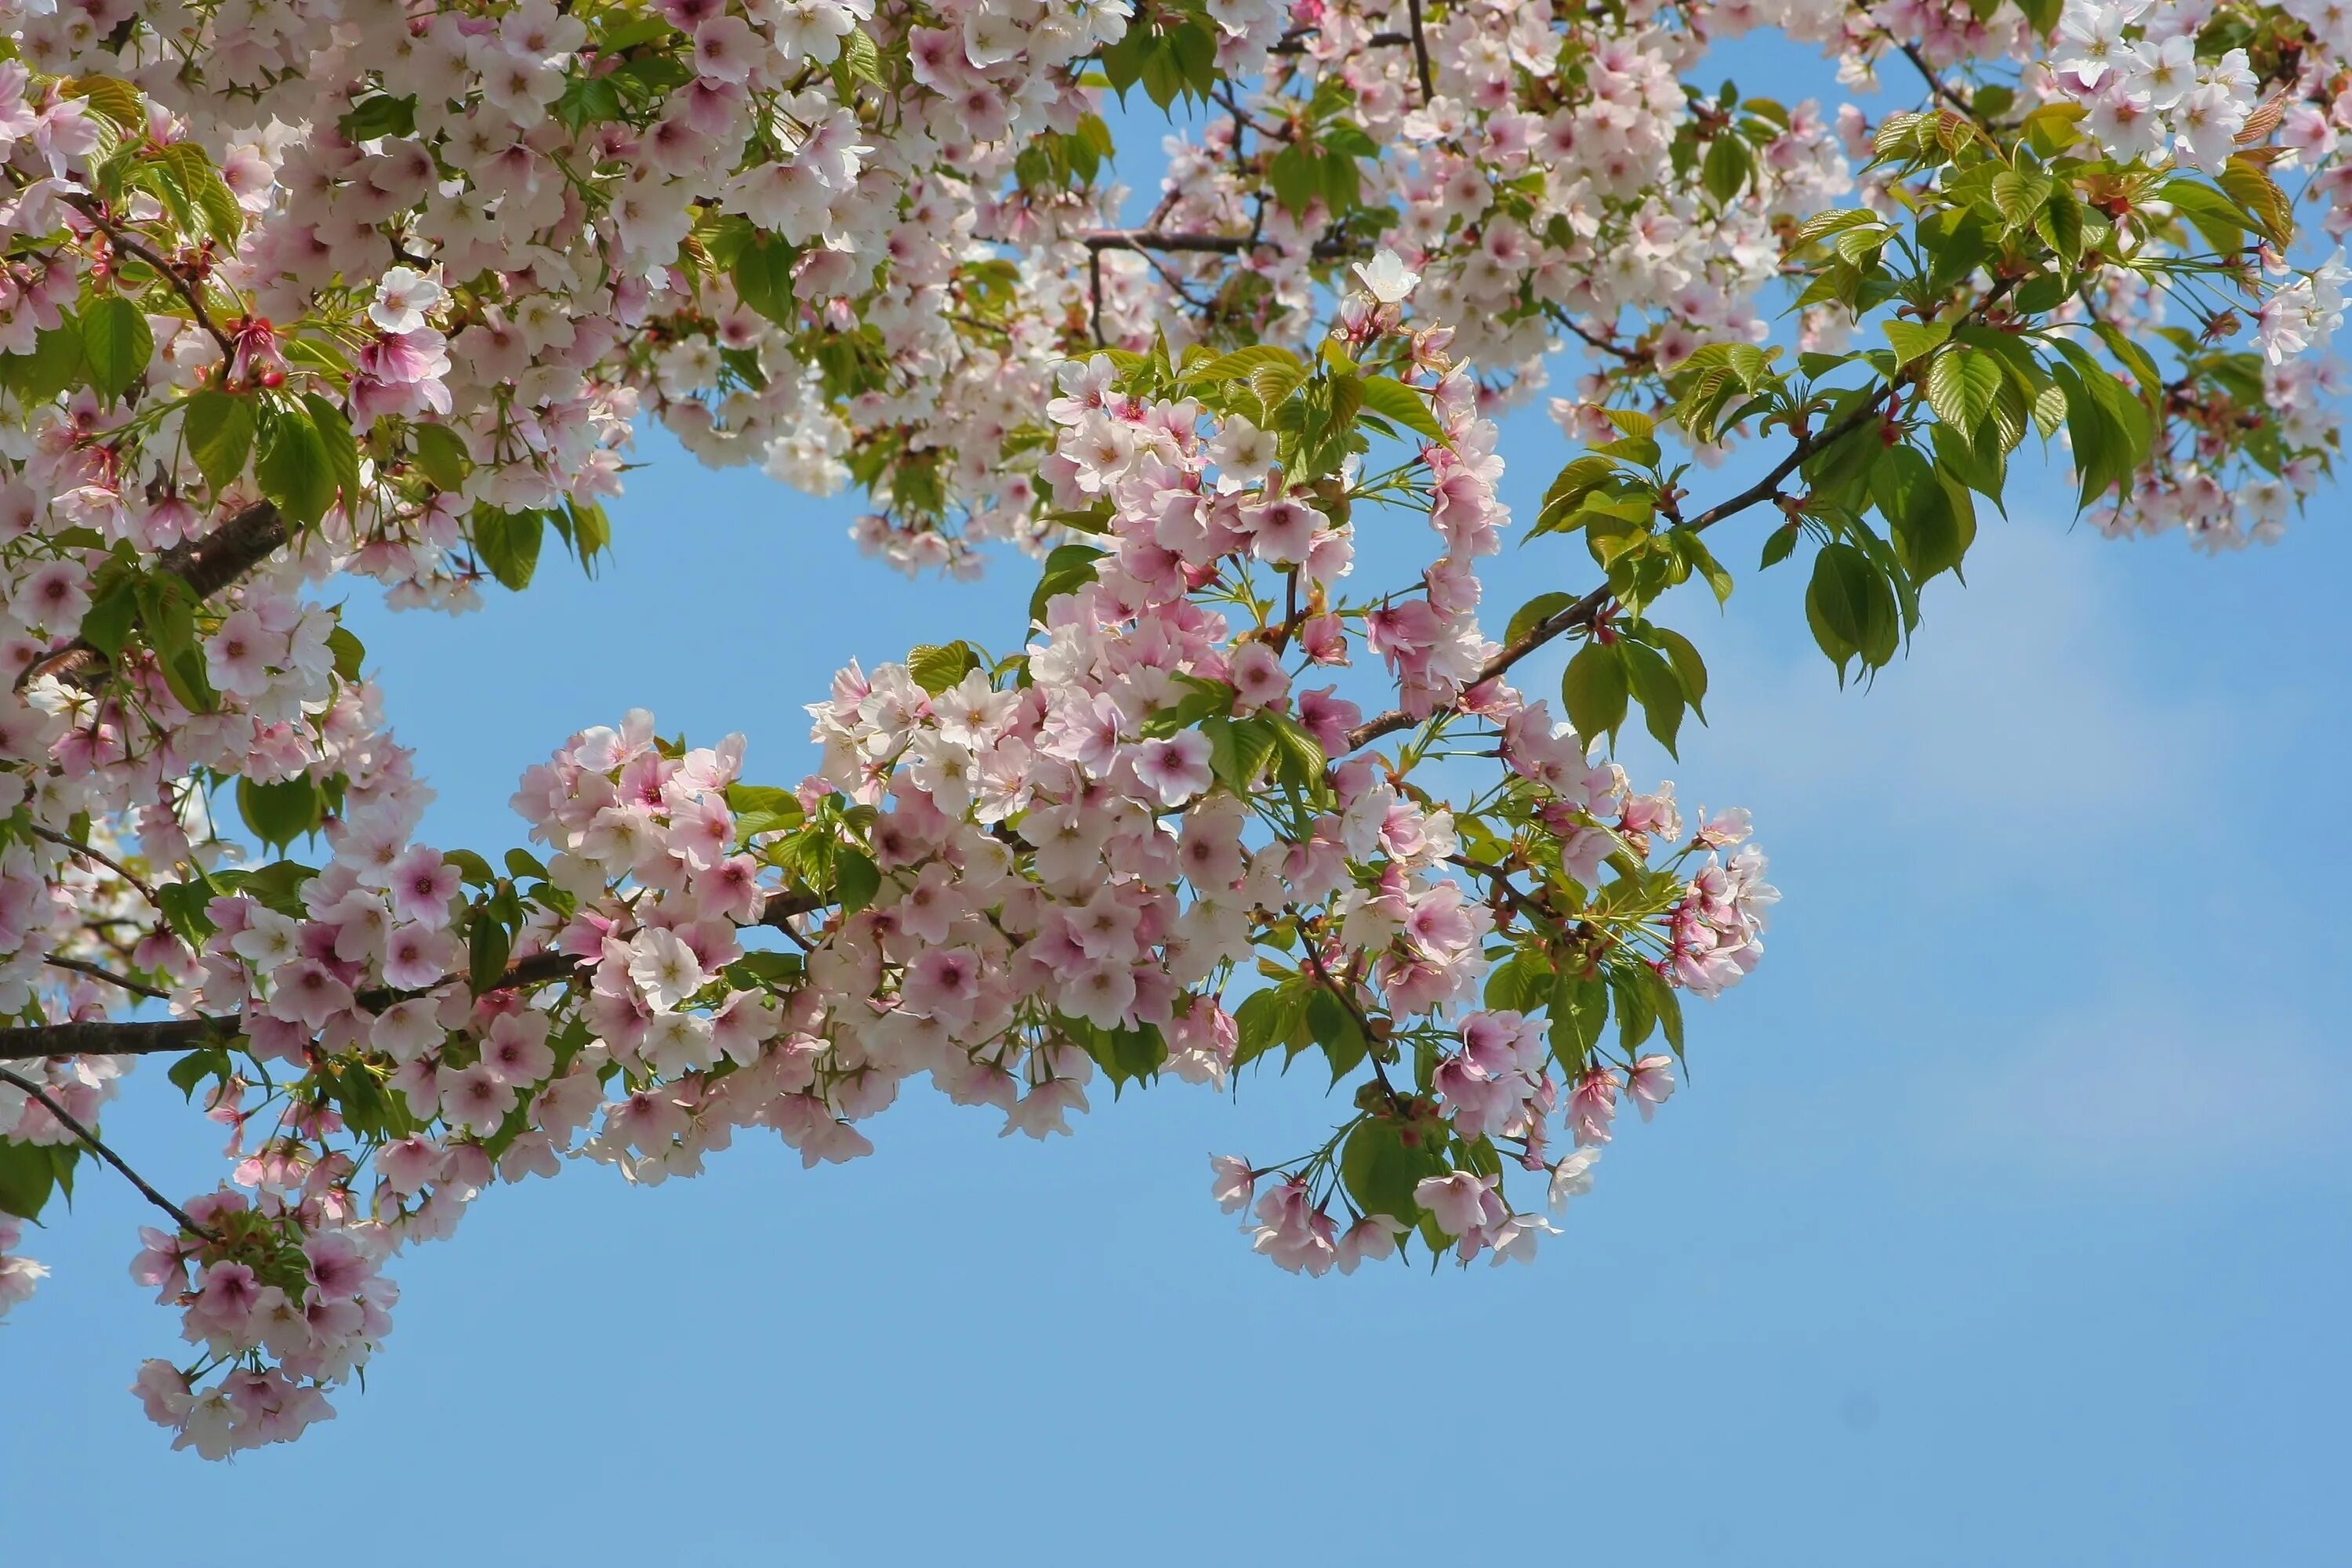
{"type": "Point", "coordinates": [2002, 1220]}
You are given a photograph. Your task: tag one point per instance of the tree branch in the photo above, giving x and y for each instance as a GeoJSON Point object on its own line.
{"type": "Point", "coordinates": [206, 566]}
{"type": "Point", "coordinates": [124, 241]}
{"type": "Point", "coordinates": [99, 972]}
{"type": "Point", "coordinates": [1942, 89]}
{"type": "Point", "coordinates": [65, 1120]}
{"type": "Point", "coordinates": [165, 1037]}
{"type": "Point", "coordinates": [1421, 53]}
{"type": "Point", "coordinates": [84, 850]}
{"type": "Point", "coordinates": [1205, 244]}
{"type": "Point", "coordinates": [1581, 613]}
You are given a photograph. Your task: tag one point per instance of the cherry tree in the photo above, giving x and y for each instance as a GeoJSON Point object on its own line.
{"type": "Point", "coordinates": [308, 292]}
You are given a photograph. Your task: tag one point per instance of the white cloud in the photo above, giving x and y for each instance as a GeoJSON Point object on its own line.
{"type": "Point", "coordinates": [2016, 736]}
{"type": "Point", "coordinates": [2143, 1087]}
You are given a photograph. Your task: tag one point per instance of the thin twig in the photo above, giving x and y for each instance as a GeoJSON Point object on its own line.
{"type": "Point", "coordinates": [1371, 1046]}
{"type": "Point", "coordinates": [1606, 345]}
{"type": "Point", "coordinates": [1581, 613]}
{"type": "Point", "coordinates": [84, 850]}
{"type": "Point", "coordinates": [1094, 292]}
{"type": "Point", "coordinates": [1421, 53]}
{"type": "Point", "coordinates": [123, 240]}
{"type": "Point", "coordinates": [99, 971]}
{"type": "Point", "coordinates": [1943, 90]}
{"type": "Point", "coordinates": [1208, 244]}
{"type": "Point", "coordinates": [65, 1120]}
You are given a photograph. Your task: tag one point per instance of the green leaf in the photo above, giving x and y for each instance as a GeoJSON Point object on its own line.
{"type": "Point", "coordinates": [279, 814]}
{"type": "Point", "coordinates": [1298, 756]}
{"type": "Point", "coordinates": [294, 470]}
{"type": "Point", "coordinates": [382, 115]}
{"type": "Point", "coordinates": [2253, 188]}
{"type": "Point", "coordinates": [349, 651]}
{"type": "Point", "coordinates": [936, 668]}
{"type": "Point", "coordinates": [488, 946]}
{"type": "Point", "coordinates": [762, 274]}
{"type": "Point", "coordinates": [588, 100]}
{"type": "Point", "coordinates": [855, 880]}
{"type": "Point", "coordinates": [1333, 1028]}
{"type": "Point", "coordinates": [1266, 1019]}
{"type": "Point", "coordinates": [219, 432]}
{"type": "Point", "coordinates": [1933, 528]}
{"type": "Point", "coordinates": [2017, 195]}
{"type": "Point", "coordinates": [1689, 668]}
{"type": "Point", "coordinates": [55, 364]}
{"type": "Point", "coordinates": [1730, 162]}
{"type": "Point", "coordinates": [1912, 338]}
{"type": "Point", "coordinates": [507, 543]}
{"type": "Point", "coordinates": [1535, 612]}
{"type": "Point", "coordinates": [472, 869]}
{"type": "Point", "coordinates": [1778, 543]}
{"type": "Point", "coordinates": [591, 531]}
{"type": "Point", "coordinates": [27, 1175]}
{"type": "Point", "coordinates": [1380, 1170]}
{"type": "Point", "coordinates": [1569, 491]}
{"type": "Point", "coordinates": [1580, 1006]}
{"type": "Point", "coordinates": [106, 626]}
{"type": "Point", "coordinates": [1069, 568]}
{"type": "Point", "coordinates": [211, 1062]}
{"type": "Point", "coordinates": [215, 203]}
{"type": "Point", "coordinates": [1637, 1012]}
{"type": "Point", "coordinates": [1242, 365]}
{"type": "Point", "coordinates": [441, 456]}
{"type": "Point", "coordinates": [343, 451]}
{"type": "Point", "coordinates": [1239, 750]}
{"type": "Point", "coordinates": [861, 58]}
{"type": "Point", "coordinates": [1298, 176]}
{"type": "Point", "coordinates": [1394, 400]}
{"type": "Point", "coordinates": [1658, 688]}
{"type": "Point", "coordinates": [1851, 608]}
{"type": "Point", "coordinates": [1593, 690]}
{"type": "Point", "coordinates": [116, 344]}
{"type": "Point", "coordinates": [1962, 386]}
{"type": "Point", "coordinates": [2221, 221]}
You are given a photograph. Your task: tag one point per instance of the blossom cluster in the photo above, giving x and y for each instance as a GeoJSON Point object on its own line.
{"type": "Point", "coordinates": [317, 291]}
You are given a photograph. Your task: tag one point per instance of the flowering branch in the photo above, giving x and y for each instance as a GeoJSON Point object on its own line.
{"type": "Point", "coordinates": [206, 566]}
{"type": "Point", "coordinates": [66, 1120]}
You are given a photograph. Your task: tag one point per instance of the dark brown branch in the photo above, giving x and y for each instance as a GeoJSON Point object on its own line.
{"type": "Point", "coordinates": [1581, 613]}
{"type": "Point", "coordinates": [206, 566]}
{"type": "Point", "coordinates": [1203, 244]}
{"type": "Point", "coordinates": [1294, 41]}
{"type": "Point", "coordinates": [1094, 292]}
{"type": "Point", "coordinates": [65, 1120]}
{"type": "Point", "coordinates": [1606, 345]}
{"type": "Point", "coordinates": [169, 1036]}
{"type": "Point", "coordinates": [1943, 90]}
{"type": "Point", "coordinates": [86, 853]}
{"type": "Point", "coordinates": [99, 971]}
{"type": "Point", "coordinates": [1310, 944]}
{"type": "Point", "coordinates": [1421, 53]}
{"type": "Point", "coordinates": [123, 239]}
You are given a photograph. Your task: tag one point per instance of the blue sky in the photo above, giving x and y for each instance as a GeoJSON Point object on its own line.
{"type": "Point", "coordinates": [2003, 1219]}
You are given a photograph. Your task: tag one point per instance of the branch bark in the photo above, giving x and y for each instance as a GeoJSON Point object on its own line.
{"type": "Point", "coordinates": [1581, 613]}
{"type": "Point", "coordinates": [1204, 243]}
{"type": "Point", "coordinates": [206, 566]}
{"type": "Point", "coordinates": [164, 1037]}
{"type": "Point", "coordinates": [36, 1092]}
